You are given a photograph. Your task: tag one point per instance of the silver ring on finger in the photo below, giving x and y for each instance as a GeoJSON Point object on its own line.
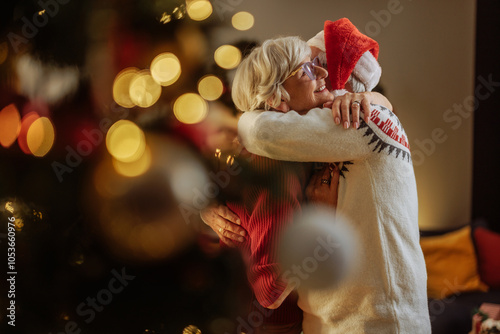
{"type": "Point", "coordinates": [221, 230]}
{"type": "Point", "coordinates": [325, 181]}
{"type": "Point", "coordinates": [356, 102]}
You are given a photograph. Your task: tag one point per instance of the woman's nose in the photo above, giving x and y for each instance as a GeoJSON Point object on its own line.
{"type": "Point", "coordinates": [320, 72]}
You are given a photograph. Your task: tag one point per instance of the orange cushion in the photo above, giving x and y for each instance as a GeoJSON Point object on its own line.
{"type": "Point", "coordinates": [488, 249]}
{"type": "Point", "coordinates": [451, 264]}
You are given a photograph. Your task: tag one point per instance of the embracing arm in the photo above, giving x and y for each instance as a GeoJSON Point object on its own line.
{"type": "Point", "coordinates": [293, 137]}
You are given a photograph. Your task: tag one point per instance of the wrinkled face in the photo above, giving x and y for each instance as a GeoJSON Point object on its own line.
{"type": "Point", "coordinates": [305, 93]}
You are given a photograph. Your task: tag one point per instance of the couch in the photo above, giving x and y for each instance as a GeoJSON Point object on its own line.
{"type": "Point", "coordinates": [463, 268]}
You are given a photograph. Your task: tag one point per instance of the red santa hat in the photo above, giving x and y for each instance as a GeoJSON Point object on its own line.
{"type": "Point", "coordinates": [349, 51]}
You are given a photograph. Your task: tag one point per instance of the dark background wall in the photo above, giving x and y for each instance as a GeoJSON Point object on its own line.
{"type": "Point", "coordinates": [486, 178]}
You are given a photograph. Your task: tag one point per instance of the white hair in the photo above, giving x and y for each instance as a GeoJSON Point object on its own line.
{"type": "Point", "coordinates": [258, 80]}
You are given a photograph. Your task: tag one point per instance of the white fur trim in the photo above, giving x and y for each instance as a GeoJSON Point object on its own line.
{"type": "Point", "coordinates": [368, 70]}
{"type": "Point", "coordinates": [339, 92]}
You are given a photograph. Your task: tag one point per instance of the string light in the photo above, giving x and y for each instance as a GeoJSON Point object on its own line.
{"type": "Point", "coordinates": [179, 12]}
{"type": "Point", "coordinates": [165, 18]}
{"type": "Point", "coordinates": [9, 207]}
{"type": "Point", "coordinates": [191, 329]}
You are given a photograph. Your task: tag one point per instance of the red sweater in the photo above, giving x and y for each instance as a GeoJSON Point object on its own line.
{"type": "Point", "coordinates": [265, 210]}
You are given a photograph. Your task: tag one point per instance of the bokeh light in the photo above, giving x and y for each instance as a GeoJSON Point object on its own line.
{"type": "Point", "coordinates": [144, 90]}
{"type": "Point", "coordinates": [121, 87]}
{"type": "Point", "coordinates": [141, 218]}
{"type": "Point", "coordinates": [242, 21]}
{"type": "Point", "coordinates": [26, 122]}
{"type": "Point", "coordinates": [10, 125]}
{"type": "Point", "coordinates": [199, 10]}
{"type": "Point", "coordinates": [166, 68]}
{"type": "Point", "coordinates": [190, 108]}
{"type": "Point", "coordinates": [210, 87]}
{"type": "Point", "coordinates": [40, 136]}
{"type": "Point", "coordinates": [134, 168]}
{"type": "Point", "coordinates": [107, 182]}
{"type": "Point", "coordinates": [125, 141]}
{"type": "Point", "coordinates": [227, 56]}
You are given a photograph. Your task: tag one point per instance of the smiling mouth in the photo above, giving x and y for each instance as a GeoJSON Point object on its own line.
{"type": "Point", "coordinates": [321, 88]}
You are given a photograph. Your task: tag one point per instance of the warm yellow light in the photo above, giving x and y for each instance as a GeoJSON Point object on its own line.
{"type": "Point", "coordinates": [144, 90]}
{"type": "Point", "coordinates": [135, 168]}
{"type": "Point", "coordinates": [26, 122]}
{"type": "Point", "coordinates": [4, 52]}
{"type": "Point", "coordinates": [19, 224]}
{"type": "Point", "coordinates": [190, 108]}
{"type": "Point", "coordinates": [165, 18]}
{"type": "Point", "coordinates": [199, 10]}
{"type": "Point", "coordinates": [125, 141]}
{"type": "Point", "coordinates": [242, 20]}
{"type": "Point", "coordinates": [10, 125]}
{"type": "Point", "coordinates": [210, 87]}
{"type": "Point", "coordinates": [227, 56]}
{"type": "Point", "coordinates": [9, 207]}
{"type": "Point", "coordinates": [166, 68]}
{"type": "Point", "coordinates": [40, 137]}
{"type": "Point", "coordinates": [121, 87]}
{"type": "Point", "coordinates": [191, 329]}
{"type": "Point", "coordinates": [179, 12]}
{"type": "Point", "coordinates": [107, 182]}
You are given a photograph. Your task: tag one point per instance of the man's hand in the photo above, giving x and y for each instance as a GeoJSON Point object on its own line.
{"type": "Point", "coordinates": [225, 223]}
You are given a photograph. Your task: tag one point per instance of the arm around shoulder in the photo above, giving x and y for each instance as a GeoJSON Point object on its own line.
{"type": "Point", "coordinates": [294, 137]}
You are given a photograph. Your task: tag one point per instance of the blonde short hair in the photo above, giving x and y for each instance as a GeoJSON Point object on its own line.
{"type": "Point", "coordinates": [258, 80]}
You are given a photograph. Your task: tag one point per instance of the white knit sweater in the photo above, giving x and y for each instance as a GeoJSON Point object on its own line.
{"type": "Point", "coordinates": [378, 195]}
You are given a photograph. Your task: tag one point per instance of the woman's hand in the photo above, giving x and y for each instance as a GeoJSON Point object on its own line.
{"type": "Point", "coordinates": [323, 186]}
{"type": "Point", "coordinates": [354, 103]}
{"type": "Point", "coordinates": [224, 222]}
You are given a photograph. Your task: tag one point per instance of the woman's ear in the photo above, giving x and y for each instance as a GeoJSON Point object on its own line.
{"type": "Point", "coordinates": [283, 106]}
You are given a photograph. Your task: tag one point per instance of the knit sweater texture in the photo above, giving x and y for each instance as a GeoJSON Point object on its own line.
{"type": "Point", "coordinates": [377, 194]}
{"type": "Point", "coordinates": [265, 208]}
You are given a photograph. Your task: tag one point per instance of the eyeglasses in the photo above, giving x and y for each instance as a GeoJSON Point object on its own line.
{"type": "Point", "coordinates": [308, 68]}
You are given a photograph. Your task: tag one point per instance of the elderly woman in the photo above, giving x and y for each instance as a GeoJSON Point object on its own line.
{"type": "Point", "coordinates": [377, 192]}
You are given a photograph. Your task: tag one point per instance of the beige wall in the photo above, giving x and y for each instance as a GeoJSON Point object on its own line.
{"type": "Point", "coordinates": [427, 57]}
